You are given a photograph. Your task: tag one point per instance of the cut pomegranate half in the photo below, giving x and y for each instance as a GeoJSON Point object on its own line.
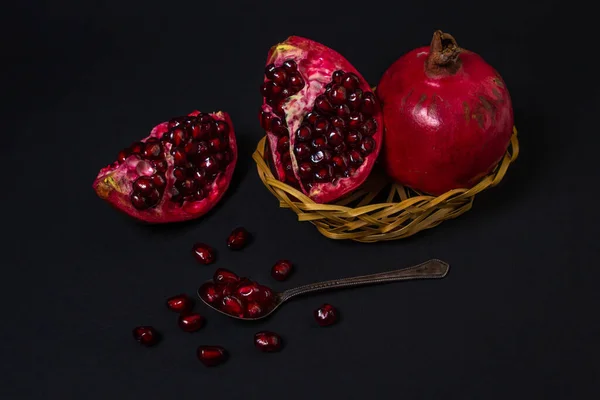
{"type": "Point", "coordinates": [178, 173]}
{"type": "Point", "coordinates": [324, 124]}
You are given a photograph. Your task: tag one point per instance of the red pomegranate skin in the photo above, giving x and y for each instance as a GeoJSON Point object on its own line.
{"type": "Point", "coordinates": [446, 127]}
{"type": "Point", "coordinates": [114, 184]}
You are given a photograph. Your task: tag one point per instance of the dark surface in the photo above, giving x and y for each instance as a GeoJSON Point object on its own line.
{"type": "Point", "coordinates": [517, 317]}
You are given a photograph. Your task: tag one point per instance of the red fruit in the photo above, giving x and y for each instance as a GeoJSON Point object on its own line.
{"type": "Point", "coordinates": [223, 275]}
{"type": "Point", "coordinates": [281, 270]}
{"type": "Point", "coordinates": [326, 315]}
{"type": "Point", "coordinates": [146, 335]}
{"type": "Point", "coordinates": [448, 117]}
{"type": "Point", "coordinates": [166, 195]}
{"type": "Point", "coordinates": [180, 303]}
{"type": "Point", "coordinates": [209, 293]}
{"type": "Point", "coordinates": [238, 238]}
{"type": "Point", "coordinates": [253, 310]}
{"type": "Point", "coordinates": [190, 322]}
{"type": "Point", "coordinates": [248, 291]}
{"type": "Point", "coordinates": [203, 253]}
{"type": "Point", "coordinates": [211, 355]}
{"type": "Point", "coordinates": [316, 116]}
{"type": "Point", "coordinates": [267, 341]}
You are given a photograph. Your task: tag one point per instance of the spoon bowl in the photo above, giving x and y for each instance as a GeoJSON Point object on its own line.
{"type": "Point", "coordinates": [432, 269]}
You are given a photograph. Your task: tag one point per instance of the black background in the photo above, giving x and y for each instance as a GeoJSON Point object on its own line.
{"type": "Point", "coordinates": [517, 317]}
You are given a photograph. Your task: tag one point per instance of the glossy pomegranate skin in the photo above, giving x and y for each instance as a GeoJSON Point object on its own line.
{"type": "Point", "coordinates": [116, 183]}
{"type": "Point", "coordinates": [267, 341]}
{"type": "Point", "coordinates": [146, 335]}
{"type": "Point", "coordinates": [326, 315]}
{"type": "Point", "coordinates": [448, 118]}
{"type": "Point", "coordinates": [212, 356]}
{"type": "Point", "coordinates": [180, 303]}
{"type": "Point", "coordinates": [315, 173]}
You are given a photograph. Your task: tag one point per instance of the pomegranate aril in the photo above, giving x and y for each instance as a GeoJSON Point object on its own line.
{"type": "Point", "coordinates": [186, 186]}
{"type": "Point", "coordinates": [305, 170]}
{"type": "Point", "coordinates": [283, 144]}
{"type": "Point", "coordinates": [353, 138]}
{"type": "Point", "coordinates": [253, 310]}
{"type": "Point", "coordinates": [337, 76]}
{"type": "Point", "coordinates": [279, 76]}
{"type": "Point", "coordinates": [335, 137]}
{"type": "Point", "coordinates": [281, 270]}
{"type": "Point", "coordinates": [179, 136]}
{"type": "Point", "coordinates": [339, 162]}
{"type": "Point", "coordinates": [139, 201]}
{"type": "Point", "coordinates": [368, 104]}
{"type": "Point", "coordinates": [153, 150]}
{"type": "Point", "coordinates": [267, 297]}
{"type": "Point", "coordinates": [123, 154]}
{"type": "Point", "coordinates": [323, 105]}
{"type": "Point", "coordinates": [319, 143]}
{"type": "Point", "coordinates": [369, 127]}
{"type": "Point", "coordinates": [326, 315]}
{"type": "Point", "coordinates": [338, 122]}
{"type": "Point", "coordinates": [209, 293]}
{"type": "Point", "coordinates": [302, 151]}
{"type": "Point", "coordinates": [217, 144]}
{"type": "Point", "coordinates": [203, 253]}
{"type": "Point", "coordinates": [174, 122]}
{"type": "Point", "coordinates": [296, 81]}
{"type": "Point", "coordinates": [248, 290]}
{"type": "Point", "coordinates": [337, 95]}
{"type": "Point", "coordinates": [194, 130]}
{"type": "Point", "coordinates": [146, 335]}
{"type": "Point", "coordinates": [179, 173]}
{"type": "Point", "coordinates": [232, 306]}
{"type": "Point", "coordinates": [350, 81]}
{"type": "Point", "coordinates": [179, 157]}
{"type": "Point", "coordinates": [278, 128]}
{"type": "Point", "coordinates": [289, 65]}
{"type": "Point", "coordinates": [304, 133]}
{"type": "Point", "coordinates": [238, 238]}
{"type": "Point", "coordinates": [200, 194]}
{"type": "Point", "coordinates": [320, 156]}
{"type": "Point", "coordinates": [355, 99]}
{"type": "Point", "coordinates": [223, 275]}
{"type": "Point", "coordinates": [311, 117]}
{"type": "Point", "coordinates": [265, 120]}
{"type": "Point", "coordinates": [321, 126]}
{"type": "Point", "coordinates": [278, 109]}
{"type": "Point", "coordinates": [355, 157]}
{"type": "Point", "coordinates": [153, 198]}
{"type": "Point", "coordinates": [210, 165]}
{"type": "Point", "coordinates": [211, 356]}
{"type": "Point", "coordinates": [355, 120]}
{"type": "Point", "coordinates": [161, 166]}
{"type": "Point", "coordinates": [367, 146]}
{"type": "Point", "coordinates": [267, 341]}
{"type": "Point", "coordinates": [143, 185]}
{"type": "Point", "coordinates": [324, 173]}
{"type": "Point", "coordinates": [342, 110]}
{"type": "Point", "coordinates": [180, 303]}
{"type": "Point", "coordinates": [159, 181]}
{"type": "Point", "coordinates": [137, 148]}
{"type": "Point", "coordinates": [207, 128]}
{"type": "Point", "coordinates": [341, 148]}
{"type": "Point", "coordinates": [190, 322]}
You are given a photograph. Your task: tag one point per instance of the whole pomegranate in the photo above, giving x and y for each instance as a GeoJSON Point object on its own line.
{"type": "Point", "coordinates": [323, 122]}
{"type": "Point", "coordinates": [179, 172]}
{"type": "Point", "coordinates": [448, 117]}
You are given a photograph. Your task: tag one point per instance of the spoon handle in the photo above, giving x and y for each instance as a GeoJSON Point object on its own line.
{"type": "Point", "coordinates": [427, 270]}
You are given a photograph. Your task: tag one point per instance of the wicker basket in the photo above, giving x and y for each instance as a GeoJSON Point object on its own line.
{"type": "Point", "coordinates": [402, 213]}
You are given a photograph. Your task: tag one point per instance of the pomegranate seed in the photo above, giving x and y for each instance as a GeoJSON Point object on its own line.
{"type": "Point", "coordinates": [143, 185]}
{"type": "Point", "coordinates": [159, 181]}
{"type": "Point", "coordinates": [339, 162]}
{"type": "Point", "coordinates": [342, 110]}
{"type": "Point", "coordinates": [248, 290]}
{"type": "Point", "coordinates": [368, 105]}
{"type": "Point", "coordinates": [209, 293]}
{"type": "Point", "coordinates": [283, 144]}
{"type": "Point", "coordinates": [281, 270]}
{"type": "Point", "coordinates": [123, 154]}
{"type": "Point", "coordinates": [153, 150]}
{"type": "Point", "coordinates": [353, 138]}
{"type": "Point", "coordinates": [267, 341]}
{"type": "Point", "coordinates": [279, 76]}
{"type": "Point", "coordinates": [337, 95]}
{"type": "Point", "coordinates": [323, 105]}
{"type": "Point", "coordinates": [320, 156]}
{"type": "Point", "coordinates": [304, 133]}
{"type": "Point", "coordinates": [180, 303]}
{"type": "Point", "coordinates": [269, 70]}
{"type": "Point", "coordinates": [138, 201]}
{"type": "Point", "coordinates": [267, 297]}
{"type": "Point", "coordinates": [289, 65]}
{"type": "Point", "coordinates": [338, 122]}
{"type": "Point", "coordinates": [232, 306]}
{"type": "Point", "coordinates": [311, 117]}
{"type": "Point", "coordinates": [334, 136]}
{"type": "Point", "coordinates": [337, 76]}
{"type": "Point", "coordinates": [146, 335]}
{"type": "Point", "coordinates": [296, 81]}
{"type": "Point", "coordinates": [326, 315]}
{"type": "Point", "coordinates": [302, 151]}
{"type": "Point", "coordinates": [223, 275]}
{"type": "Point", "coordinates": [238, 238]}
{"type": "Point", "coordinates": [319, 143]}
{"type": "Point", "coordinates": [210, 165]}
{"type": "Point", "coordinates": [350, 81]}
{"type": "Point", "coordinates": [305, 170]}
{"type": "Point", "coordinates": [369, 127]}
{"type": "Point", "coordinates": [321, 126]}
{"type": "Point", "coordinates": [354, 100]}
{"type": "Point", "coordinates": [211, 356]}
{"type": "Point", "coordinates": [190, 322]}
{"type": "Point", "coordinates": [324, 173]}
{"type": "Point", "coordinates": [265, 120]}
{"type": "Point", "coordinates": [178, 136]}
{"type": "Point", "coordinates": [355, 157]}
{"type": "Point", "coordinates": [222, 128]}
{"type": "Point", "coordinates": [367, 146]}
{"type": "Point", "coordinates": [137, 148]}
{"type": "Point", "coordinates": [204, 253]}
{"type": "Point", "coordinates": [161, 166]}
{"type": "Point", "coordinates": [253, 310]}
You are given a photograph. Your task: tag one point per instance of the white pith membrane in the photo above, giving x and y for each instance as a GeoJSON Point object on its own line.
{"type": "Point", "coordinates": [115, 182]}
{"type": "Point", "coordinates": [317, 73]}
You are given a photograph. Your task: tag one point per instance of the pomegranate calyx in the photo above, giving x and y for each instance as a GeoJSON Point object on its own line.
{"type": "Point", "coordinates": [443, 58]}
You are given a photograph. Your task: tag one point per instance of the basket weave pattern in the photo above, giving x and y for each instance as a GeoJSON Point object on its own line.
{"type": "Point", "coordinates": [404, 213]}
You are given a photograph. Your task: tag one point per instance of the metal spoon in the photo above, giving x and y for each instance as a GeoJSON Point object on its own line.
{"type": "Point", "coordinates": [428, 270]}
